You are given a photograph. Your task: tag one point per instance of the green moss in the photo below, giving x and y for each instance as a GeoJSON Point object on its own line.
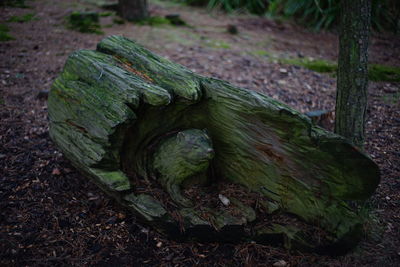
{"type": "Point", "coordinates": [379, 72]}
{"type": "Point", "coordinates": [262, 53]}
{"type": "Point", "coordinates": [4, 35]}
{"type": "Point", "coordinates": [256, 138]}
{"type": "Point", "coordinates": [154, 21]}
{"type": "Point", "coordinates": [376, 72]}
{"type": "Point", "coordinates": [318, 65]}
{"type": "Point", "coordinates": [23, 18]}
{"type": "Point", "coordinates": [86, 22]}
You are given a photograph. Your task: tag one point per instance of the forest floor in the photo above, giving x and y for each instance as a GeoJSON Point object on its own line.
{"type": "Point", "coordinates": [51, 215]}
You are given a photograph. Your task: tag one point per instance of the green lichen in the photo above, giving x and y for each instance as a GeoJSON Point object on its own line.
{"type": "Point", "coordinates": [23, 18]}
{"type": "Point", "coordinates": [4, 35]}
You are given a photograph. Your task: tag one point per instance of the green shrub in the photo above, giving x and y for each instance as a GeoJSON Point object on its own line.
{"type": "Point", "coordinates": [253, 6]}
{"type": "Point", "coordinates": [317, 14]}
{"type": "Point", "coordinates": [324, 14]}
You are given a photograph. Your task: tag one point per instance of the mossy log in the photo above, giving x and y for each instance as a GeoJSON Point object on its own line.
{"type": "Point", "coordinates": [117, 111]}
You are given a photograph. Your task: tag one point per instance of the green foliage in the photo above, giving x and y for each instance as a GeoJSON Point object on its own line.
{"type": "Point", "coordinates": [316, 14]}
{"type": "Point", "coordinates": [324, 14]}
{"type": "Point", "coordinates": [14, 3]}
{"type": "Point", "coordinates": [4, 35]}
{"type": "Point", "coordinates": [86, 22]}
{"type": "Point", "coordinates": [253, 6]}
{"type": "Point", "coordinates": [23, 18]}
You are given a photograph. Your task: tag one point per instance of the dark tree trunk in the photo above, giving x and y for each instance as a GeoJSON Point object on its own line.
{"type": "Point", "coordinates": [133, 10]}
{"type": "Point", "coordinates": [352, 81]}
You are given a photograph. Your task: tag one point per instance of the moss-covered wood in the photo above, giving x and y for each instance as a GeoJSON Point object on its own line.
{"type": "Point", "coordinates": [115, 112]}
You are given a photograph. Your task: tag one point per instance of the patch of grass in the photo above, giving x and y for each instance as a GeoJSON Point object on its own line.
{"type": "Point", "coordinates": [318, 65]}
{"type": "Point", "coordinates": [217, 44]}
{"type": "Point", "coordinates": [86, 22]}
{"type": "Point", "coordinates": [23, 18]}
{"type": "Point", "coordinates": [261, 53]}
{"type": "Point", "coordinates": [154, 21]}
{"type": "Point", "coordinates": [4, 35]}
{"type": "Point", "coordinates": [378, 72]}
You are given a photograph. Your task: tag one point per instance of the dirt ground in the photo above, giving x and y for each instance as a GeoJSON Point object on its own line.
{"type": "Point", "coordinates": [52, 215]}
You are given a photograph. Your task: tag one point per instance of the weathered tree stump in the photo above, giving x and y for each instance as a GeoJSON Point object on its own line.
{"type": "Point", "coordinates": [199, 158]}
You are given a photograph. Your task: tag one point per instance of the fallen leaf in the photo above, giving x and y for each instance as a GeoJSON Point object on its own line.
{"type": "Point", "coordinates": [280, 263]}
{"type": "Point", "coordinates": [56, 171]}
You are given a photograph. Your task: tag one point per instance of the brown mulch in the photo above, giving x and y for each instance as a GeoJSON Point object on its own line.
{"type": "Point", "coordinates": [52, 215]}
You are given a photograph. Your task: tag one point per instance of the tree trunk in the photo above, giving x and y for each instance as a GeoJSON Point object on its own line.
{"type": "Point", "coordinates": [352, 81]}
{"type": "Point", "coordinates": [133, 10]}
{"type": "Point", "coordinates": [142, 127]}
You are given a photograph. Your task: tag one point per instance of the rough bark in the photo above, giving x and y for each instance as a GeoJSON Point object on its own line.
{"type": "Point", "coordinates": [352, 81]}
{"type": "Point", "coordinates": [133, 10]}
{"type": "Point", "coordinates": [116, 113]}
